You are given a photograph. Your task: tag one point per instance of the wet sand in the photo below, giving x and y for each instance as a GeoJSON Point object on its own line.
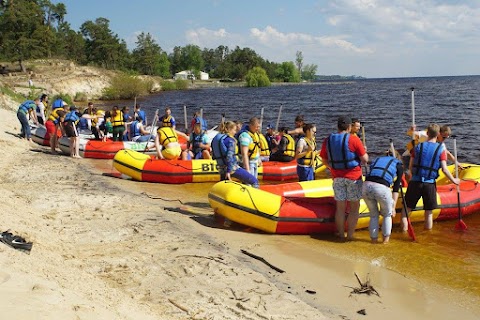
{"type": "Point", "coordinates": [106, 248]}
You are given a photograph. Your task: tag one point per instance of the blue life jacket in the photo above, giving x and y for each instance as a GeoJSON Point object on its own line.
{"type": "Point", "coordinates": [196, 139]}
{"type": "Point", "coordinates": [339, 155]}
{"type": "Point", "coordinates": [203, 122]}
{"type": "Point", "coordinates": [24, 107]}
{"type": "Point", "coordinates": [72, 117]}
{"type": "Point", "coordinates": [57, 104]}
{"type": "Point", "coordinates": [385, 168]}
{"type": "Point", "coordinates": [134, 129]}
{"type": "Point", "coordinates": [143, 116]}
{"type": "Point", "coordinates": [426, 161]}
{"type": "Point", "coordinates": [219, 149]}
{"type": "Point", "coordinates": [83, 124]}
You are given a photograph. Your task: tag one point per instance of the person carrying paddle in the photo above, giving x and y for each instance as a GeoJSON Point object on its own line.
{"type": "Point", "coordinates": [344, 154]}
{"type": "Point", "coordinates": [425, 160]}
{"type": "Point", "coordinates": [384, 172]}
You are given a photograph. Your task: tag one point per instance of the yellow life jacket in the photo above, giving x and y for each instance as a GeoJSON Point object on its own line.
{"type": "Point", "coordinates": [254, 147]}
{"type": "Point", "coordinates": [166, 135]}
{"type": "Point", "coordinates": [290, 147]}
{"type": "Point", "coordinates": [54, 115]}
{"type": "Point", "coordinates": [118, 121]}
{"type": "Point", "coordinates": [166, 121]}
{"type": "Point", "coordinates": [307, 159]}
{"type": "Point", "coordinates": [264, 149]}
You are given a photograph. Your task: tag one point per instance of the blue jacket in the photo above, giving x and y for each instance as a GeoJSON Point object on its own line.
{"type": "Point", "coordinates": [339, 155]}
{"type": "Point", "coordinates": [426, 161]}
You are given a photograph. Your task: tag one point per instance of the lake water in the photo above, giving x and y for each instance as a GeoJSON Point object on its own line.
{"type": "Point", "coordinates": [441, 256]}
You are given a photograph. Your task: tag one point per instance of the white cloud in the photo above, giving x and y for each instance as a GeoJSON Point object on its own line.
{"type": "Point", "coordinates": [273, 38]}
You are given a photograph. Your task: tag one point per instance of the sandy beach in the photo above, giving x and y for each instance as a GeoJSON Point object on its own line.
{"type": "Point", "coordinates": [106, 248]}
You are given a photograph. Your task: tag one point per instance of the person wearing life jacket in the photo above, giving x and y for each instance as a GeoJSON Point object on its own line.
{"type": "Point", "coordinates": [41, 109]}
{"type": "Point", "coordinates": [199, 147]}
{"type": "Point", "coordinates": [54, 126]}
{"type": "Point", "coordinates": [305, 153]}
{"type": "Point", "coordinates": [166, 143]}
{"type": "Point", "coordinates": [425, 160]}
{"type": "Point", "coordinates": [249, 144]}
{"type": "Point", "coordinates": [98, 124]}
{"type": "Point", "coordinates": [58, 103]}
{"type": "Point", "coordinates": [421, 136]}
{"type": "Point", "coordinates": [344, 153]}
{"type": "Point", "coordinates": [70, 126]}
{"type": "Point", "coordinates": [285, 151]}
{"type": "Point", "coordinates": [24, 110]}
{"type": "Point", "coordinates": [138, 133]}
{"type": "Point", "coordinates": [118, 124]}
{"type": "Point", "coordinates": [225, 152]}
{"type": "Point", "coordinates": [167, 120]}
{"type": "Point", "coordinates": [385, 172]}
{"type": "Point", "coordinates": [272, 138]}
{"type": "Point", "coordinates": [140, 113]}
{"type": "Point", "coordinates": [197, 118]}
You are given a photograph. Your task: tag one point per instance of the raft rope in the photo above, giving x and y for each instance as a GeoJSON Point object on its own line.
{"type": "Point", "coordinates": [163, 199]}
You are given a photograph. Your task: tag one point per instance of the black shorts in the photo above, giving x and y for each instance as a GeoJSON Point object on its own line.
{"type": "Point", "coordinates": [70, 129]}
{"type": "Point", "coordinates": [426, 191]}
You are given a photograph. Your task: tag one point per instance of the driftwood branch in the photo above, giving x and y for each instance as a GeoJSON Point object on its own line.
{"type": "Point", "coordinates": [365, 287]}
{"type": "Point", "coordinates": [262, 260]}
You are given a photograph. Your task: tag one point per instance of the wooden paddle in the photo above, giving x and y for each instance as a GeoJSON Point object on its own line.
{"type": "Point", "coordinates": [278, 119]}
{"type": "Point", "coordinates": [410, 230]}
{"type": "Point", "coordinates": [460, 224]}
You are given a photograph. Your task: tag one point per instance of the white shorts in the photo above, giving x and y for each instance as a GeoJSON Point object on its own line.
{"type": "Point", "coordinates": [347, 190]}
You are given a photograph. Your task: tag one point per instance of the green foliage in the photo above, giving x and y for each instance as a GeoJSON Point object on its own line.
{"type": "Point", "coordinates": [186, 58]}
{"type": "Point", "coordinates": [81, 96]}
{"type": "Point", "coordinates": [181, 84]}
{"type": "Point", "coordinates": [102, 46]}
{"type": "Point", "coordinates": [309, 71]}
{"type": "Point", "coordinates": [287, 72]}
{"type": "Point", "coordinates": [65, 97]}
{"type": "Point", "coordinates": [168, 85]}
{"type": "Point", "coordinates": [125, 87]}
{"type": "Point", "coordinates": [12, 94]}
{"type": "Point", "coordinates": [257, 77]}
{"type": "Point", "coordinates": [148, 57]}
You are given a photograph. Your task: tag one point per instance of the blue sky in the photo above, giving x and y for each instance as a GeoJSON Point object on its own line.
{"type": "Point", "coordinates": [371, 38]}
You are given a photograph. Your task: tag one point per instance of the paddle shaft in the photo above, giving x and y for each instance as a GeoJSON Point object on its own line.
{"type": "Point", "coordinates": [411, 232]}
{"type": "Point", "coordinates": [185, 117]}
{"type": "Point", "coordinates": [278, 118]}
{"type": "Point", "coordinates": [456, 176]}
{"type": "Point", "coordinates": [261, 119]}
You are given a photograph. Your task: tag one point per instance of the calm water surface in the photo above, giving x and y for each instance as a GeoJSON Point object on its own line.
{"type": "Point", "coordinates": [442, 256]}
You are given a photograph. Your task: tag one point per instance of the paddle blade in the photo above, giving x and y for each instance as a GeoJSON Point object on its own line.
{"type": "Point", "coordinates": [460, 226]}
{"type": "Point", "coordinates": [411, 233]}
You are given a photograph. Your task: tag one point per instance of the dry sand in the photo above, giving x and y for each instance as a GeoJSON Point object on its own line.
{"type": "Point", "coordinates": [102, 249]}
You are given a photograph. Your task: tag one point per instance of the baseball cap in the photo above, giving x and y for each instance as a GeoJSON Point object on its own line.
{"type": "Point", "coordinates": [64, 103]}
{"type": "Point", "coordinates": [269, 126]}
{"type": "Point", "coordinates": [344, 120]}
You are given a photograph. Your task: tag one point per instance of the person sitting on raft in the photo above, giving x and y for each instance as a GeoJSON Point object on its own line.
{"type": "Point", "coordinates": [225, 151]}
{"type": "Point", "coordinates": [166, 143]}
{"type": "Point", "coordinates": [285, 151]}
{"type": "Point", "coordinates": [138, 133]}
{"type": "Point", "coordinates": [199, 147]}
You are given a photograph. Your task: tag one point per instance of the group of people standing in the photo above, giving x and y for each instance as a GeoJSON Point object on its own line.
{"type": "Point", "coordinates": [239, 151]}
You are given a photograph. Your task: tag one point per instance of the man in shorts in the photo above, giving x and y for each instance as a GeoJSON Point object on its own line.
{"type": "Point", "coordinates": [425, 160]}
{"type": "Point", "coordinates": [344, 154]}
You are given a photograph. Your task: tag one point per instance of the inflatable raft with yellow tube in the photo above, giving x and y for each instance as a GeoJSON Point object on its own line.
{"type": "Point", "coordinates": [309, 207]}
{"type": "Point", "coordinates": [145, 168]}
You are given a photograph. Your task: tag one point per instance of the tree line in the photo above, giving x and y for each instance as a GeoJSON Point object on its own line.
{"type": "Point", "coordinates": [36, 29]}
